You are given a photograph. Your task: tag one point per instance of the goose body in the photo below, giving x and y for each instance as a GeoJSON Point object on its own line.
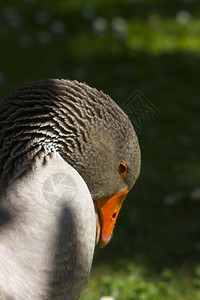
{"type": "Point", "coordinates": [63, 149]}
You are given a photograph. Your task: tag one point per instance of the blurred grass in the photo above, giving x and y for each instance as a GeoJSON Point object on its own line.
{"type": "Point", "coordinates": [133, 281]}
{"type": "Point", "coordinates": [120, 47]}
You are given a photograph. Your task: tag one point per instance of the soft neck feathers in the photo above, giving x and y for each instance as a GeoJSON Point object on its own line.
{"type": "Point", "coordinates": [46, 247]}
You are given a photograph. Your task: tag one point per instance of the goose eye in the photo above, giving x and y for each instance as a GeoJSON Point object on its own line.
{"type": "Point", "coordinates": [122, 168]}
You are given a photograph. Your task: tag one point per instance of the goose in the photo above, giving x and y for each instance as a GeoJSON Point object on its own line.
{"type": "Point", "coordinates": [68, 157]}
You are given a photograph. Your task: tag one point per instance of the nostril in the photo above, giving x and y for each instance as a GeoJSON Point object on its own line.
{"type": "Point", "coordinates": [114, 216]}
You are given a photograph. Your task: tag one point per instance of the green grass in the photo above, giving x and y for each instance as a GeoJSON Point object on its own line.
{"type": "Point", "coordinates": [133, 281]}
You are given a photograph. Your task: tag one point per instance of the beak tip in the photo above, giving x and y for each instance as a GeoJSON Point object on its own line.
{"type": "Point", "coordinates": [105, 239]}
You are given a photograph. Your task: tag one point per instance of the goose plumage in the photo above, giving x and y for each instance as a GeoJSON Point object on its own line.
{"type": "Point", "coordinates": [68, 157]}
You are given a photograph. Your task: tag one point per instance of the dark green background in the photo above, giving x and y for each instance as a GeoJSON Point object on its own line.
{"type": "Point", "coordinates": [121, 47]}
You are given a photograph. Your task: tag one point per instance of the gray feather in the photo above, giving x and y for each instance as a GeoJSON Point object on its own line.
{"type": "Point", "coordinates": [46, 250]}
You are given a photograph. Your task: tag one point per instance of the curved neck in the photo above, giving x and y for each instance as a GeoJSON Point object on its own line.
{"type": "Point", "coordinates": [47, 248]}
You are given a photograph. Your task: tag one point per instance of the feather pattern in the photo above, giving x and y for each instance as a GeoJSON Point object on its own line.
{"type": "Point", "coordinates": [52, 114]}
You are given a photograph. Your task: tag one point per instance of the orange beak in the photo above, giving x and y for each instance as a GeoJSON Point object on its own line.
{"type": "Point", "coordinates": [109, 209]}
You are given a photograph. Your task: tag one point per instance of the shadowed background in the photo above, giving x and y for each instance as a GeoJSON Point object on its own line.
{"type": "Point", "coordinates": [120, 47]}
